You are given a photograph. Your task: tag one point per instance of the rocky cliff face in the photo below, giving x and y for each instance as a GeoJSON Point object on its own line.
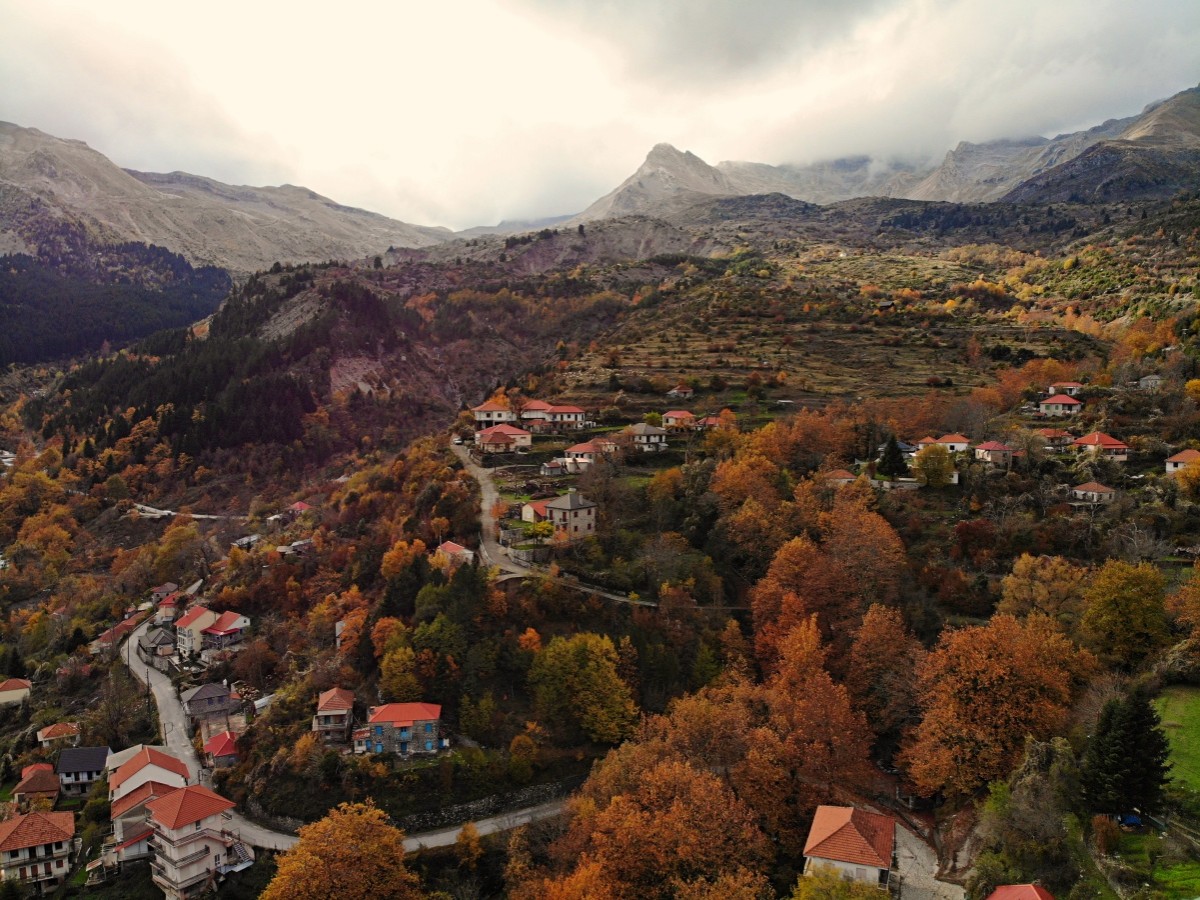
{"type": "Point", "coordinates": [46, 182]}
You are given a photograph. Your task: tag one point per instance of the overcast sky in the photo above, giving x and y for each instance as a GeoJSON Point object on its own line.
{"type": "Point", "coordinates": [464, 113]}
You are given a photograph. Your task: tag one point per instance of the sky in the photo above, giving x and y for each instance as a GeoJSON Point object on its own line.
{"type": "Point", "coordinates": [470, 112]}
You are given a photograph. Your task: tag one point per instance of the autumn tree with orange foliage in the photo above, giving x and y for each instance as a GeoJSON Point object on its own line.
{"type": "Point", "coordinates": [352, 854]}
{"type": "Point", "coordinates": [983, 690]}
{"type": "Point", "coordinates": [881, 673]}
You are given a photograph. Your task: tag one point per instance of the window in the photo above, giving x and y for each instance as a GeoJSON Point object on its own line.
{"type": "Point", "coordinates": [428, 727]}
{"type": "Point", "coordinates": [428, 746]}
{"type": "Point", "coordinates": [59, 865]}
{"type": "Point", "coordinates": [378, 731]}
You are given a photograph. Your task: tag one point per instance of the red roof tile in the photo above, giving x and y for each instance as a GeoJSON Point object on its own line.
{"type": "Point", "coordinates": [58, 730]}
{"type": "Point", "coordinates": [335, 700]}
{"type": "Point", "coordinates": [1185, 456]}
{"type": "Point", "coordinates": [15, 684]}
{"type": "Point", "coordinates": [139, 795]}
{"type": "Point", "coordinates": [35, 829]}
{"type": "Point", "coordinates": [148, 756]}
{"type": "Point", "coordinates": [679, 414]}
{"type": "Point", "coordinates": [36, 767]}
{"type": "Point", "coordinates": [1100, 439]}
{"type": "Point", "coordinates": [39, 781]}
{"type": "Point", "coordinates": [845, 834]}
{"type": "Point", "coordinates": [186, 805]}
{"type": "Point", "coordinates": [1020, 892]}
{"type": "Point", "coordinates": [839, 475]}
{"type": "Point", "coordinates": [1063, 399]}
{"type": "Point", "coordinates": [1093, 487]}
{"type": "Point", "coordinates": [954, 439]}
{"type": "Point", "coordinates": [994, 446]}
{"type": "Point", "coordinates": [405, 713]}
{"type": "Point", "coordinates": [134, 840]}
{"type": "Point", "coordinates": [496, 430]}
{"type": "Point", "coordinates": [193, 615]}
{"type": "Point", "coordinates": [223, 744]}
{"type": "Point", "coordinates": [450, 548]}
{"type": "Point", "coordinates": [490, 406]}
{"type": "Point", "coordinates": [226, 621]}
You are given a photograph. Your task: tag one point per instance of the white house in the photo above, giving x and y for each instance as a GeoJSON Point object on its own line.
{"type": "Point", "coordinates": [1100, 444]}
{"type": "Point", "coordinates": [14, 691]}
{"type": "Point", "coordinates": [1060, 405]}
{"type": "Point", "coordinates": [1093, 492]}
{"type": "Point", "coordinates": [506, 435]}
{"type": "Point", "coordinates": [1181, 459]}
{"type": "Point", "coordinates": [493, 413]}
{"type": "Point", "coordinates": [1070, 388]}
{"type": "Point", "coordinates": [955, 443]}
{"type": "Point", "coordinates": [193, 847]}
{"type": "Point", "coordinates": [858, 844]}
{"type": "Point", "coordinates": [649, 438]}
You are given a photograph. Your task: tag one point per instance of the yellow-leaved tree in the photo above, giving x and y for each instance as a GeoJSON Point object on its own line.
{"type": "Point", "coordinates": [351, 854]}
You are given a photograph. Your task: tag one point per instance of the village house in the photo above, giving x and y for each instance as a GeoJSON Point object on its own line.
{"type": "Point", "coordinates": [921, 444]}
{"type": "Point", "coordinates": [840, 477]}
{"type": "Point", "coordinates": [1070, 388]}
{"type": "Point", "coordinates": [554, 468]}
{"type": "Point", "coordinates": [168, 609]}
{"type": "Point", "coordinates": [110, 639]}
{"type": "Point", "coordinates": [1100, 444]}
{"type": "Point", "coordinates": [1150, 382]}
{"type": "Point", "coordinates": [1055, 438]}
{"type": "Point", "coordinates": [493, 413]}
{"type": "Point", "coordinates": [192, 847]}
{"type": "Point", "coordinates": [1093, 492]}
{"type": "Point", "coordinates": [534, 511]}
{"type": "Point", "coordinates": [78, 768]}
{"type": "Point", "coordinates": [955, 443]}
{"type": "Point", "coordinates": [1020, 892]}
{"type": "Point", "coordinates": [572, 515]}
{"type": "Point", "coordinates": [502, 439]}
{"type": "Point", "coordinates": [36, 849]}
{"type": "Point", "coordinates": [15, 691]}
{"type": "Point", "coordinates": [189, 630]}
{"type": "Point", "coordinates": [709, 422]}
{"type": "Point", "coordinates": [402, 728]}
{"type": "Point", "coordinates": [590, 451]}
{"type": "Point", "coordinates": [220, 751]}
{"type": "Point", "coordinates": [335, 715]}
{"type": "Point", "coordinates": [38, 782]}
{"type": "Point", "coordinates": [156, 646]}
{"type": "Point", "coordinates": [59, 734]}
{"type": "Point", "coordinates": [995, 453]}
{"type": "Point", "coordinates": [682, 391]}
{"type": "Point", "coordinates": [858, 844]}
{"type": "Point", "coordinates": [679, 420]}
{"type": "Point", "coordinates": [227, 629]}
{"type": "Point", "coordinates": [160, 593]}
{"type": "Point", "coordinates": [148, 765]}
{"type": "Point", "coordinates": [209, 701]}
{"type": "Point", "coordinates": [131, 833]}
{"type": "Point", "coordinates": [1060, 405]}
{"type": "Point", "coordinates": [649, 438]}
{"type": "Point", "coordinates": [567, 418]}
{"type": "Point", "coordinates": [1181, 459]}
{"type": "Point", "coordinates": [456, 553]}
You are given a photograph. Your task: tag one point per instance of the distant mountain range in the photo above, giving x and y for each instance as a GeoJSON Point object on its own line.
{"type": "Point", "coordinates": [49, 186]}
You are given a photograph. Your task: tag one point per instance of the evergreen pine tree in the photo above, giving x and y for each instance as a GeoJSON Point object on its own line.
{"type": "Point", "coordinates": [1125, 766]}
{"type": "Point", "coordinates": [892, 463]}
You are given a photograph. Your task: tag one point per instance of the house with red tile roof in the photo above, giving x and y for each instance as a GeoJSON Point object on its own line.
{"type": "Point", "coordinates": [38, 782]}
{"type": "Point", "coordinates": [1181, 459]}
{"type": "Point", "coordinates": [1100, 444]}
{"type": "Point", "coordinates": [1060, 405]}
{"type": "Point", "coordinates": [131, 833]}
{"type": "Point", "coordinates": [1055, 438]}
{"type": "Point", "coordinates": [858, 844]}
{"type": "Point", "coordinates": [192, 847]}
{"type": "Point", "coordinates": [493, 412]}
{"type": "Point", "coordinates": [335, 715]}
{"type": "Point", "coordinates": [534, 510]}
{"type": "Point", "coordinates": [403, 728]}
{"type": "Point", "coordinates": [682, 391]}
{"type": "Point", "coordinates": [1020, 892]}
{"type": "Point", "coordinates": [1093, 492]}
{"type": "Point", "coordinates": [566, 417]}
{"type": "Point", "coordinates": [36, 849]}
{"type": "Point", "coordinates": [456, 553]}
{"type": "Point", "coordinates": [840, 476]}
{"type": "Point", "coordinates": [189, 629]}
{"type": "Point", "coordinates": [227, 629]}
{"type": "Point", "coordinates": [147, 765]}
{"type": "Point", "coordinates": [111, 638]}
{"type": "Point", "coordinates": [59, 734]}
{"type": "Point", "coordinates": [163, 590]}
{"type": "Point", "coordinates": [994, 452]}
{"type": "Point", "coordinates": [679, 420]}
{"type": "Point", "coordinates": [955, 443]}
{"type": "Point", "coordinates": [221, 750]}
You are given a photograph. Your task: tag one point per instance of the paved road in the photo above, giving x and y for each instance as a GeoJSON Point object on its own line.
{"type": "Point", "coordinates": [495, 555]}
{"type": "Point", "coordinates": [171, 717]}
{"type": "Point", "coordinates": [152, 512]}
{"type": "Point", "coordinates": [918, 865]}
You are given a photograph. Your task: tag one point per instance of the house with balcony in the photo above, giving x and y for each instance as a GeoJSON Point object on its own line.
{"type": "Point", "coordinates": [1056, 438]}
{"type": "Point", "coordinates": [36, 849]}
{"type": "Point", "coordinates": [335, 715]}
{"type": "Point", "coordinates": [78, 768]}
{"type": "Point", "coordinates": [1100, 444]}
{"type": "Point", "coordinates": [402, 728]}
{"type": "Point", "coordinates": [860, 845]}
{"type": "Point", "coordinates": [572, 515]}
{"type": "Point", "coordinates": [493, 413]}
{"type": "Point", "coordinates": [228, 629]}
{"type": "Point", "coordinates": [189, 630]}
{"type": "Point", "coordinates": [192, 846]}
{"type": "Point", "coordinates": [647, 438]}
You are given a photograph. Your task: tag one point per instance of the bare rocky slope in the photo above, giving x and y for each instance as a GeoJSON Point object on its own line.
{"type": "Point", "coordinates": [47, 183]}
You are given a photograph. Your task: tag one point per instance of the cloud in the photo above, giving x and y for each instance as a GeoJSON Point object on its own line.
{"type": "Point", "coordinates": [467, 113]}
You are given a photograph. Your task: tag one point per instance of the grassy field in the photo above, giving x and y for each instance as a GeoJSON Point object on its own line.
{"type": "Point", "coordinates": [1179, 707]}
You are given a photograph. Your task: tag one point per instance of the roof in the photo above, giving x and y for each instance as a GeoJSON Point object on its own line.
{"type": "Point", "coordinates": [118, 759]}
{"type": "Point", "coordinates": [585, 447]}
{"type": "Point", "coordinates": [1100, 439]}
{"type": "Point", "coordinates": [927, 440]}
{"type": "Point", "coordinates": [405, 713]}
{"type": "Point", "coordinates": [1059, 384]}
{"type": "Point", "coordinates": [35, 829]}
{"type": "Point", "coordinates": [679, 414]}
{"type": "Point", "coordinates": [1063, 399]}
{"type": "Point", "coordinates": [194, 615]}
{"type": "Point", "coordinates": [709, 420]}
{"type": "Point", "coordinates": [1053, 433]}
{"type": "Point", "coordinates": [299, 506]}
{"type": "Point", "coordinates": [571, 500]}
{"type": "Point", "coordinates": [118, 631]}
{"type": "Point", "coordinates": [148, 756]}
{"type": "Point", "coordinates": [537, 406]}
{"type": "Point", "coordinates": [995, 446]}
{"type": "Point", "coordinates": [82, 759]}
{"type": "Point", "coordinates": [36, 767]}
{"type": "Point", "coordinates": [186, 805]}
{"type": "Point", "coordinates": [538, 506]}
{"type": "Point", "coordinates": [165, 588]}
{"type": "Point", "coordinates": [226, 622]}
{"type": "Point", "coordinates": [643, 428]}
{"type": "Point", "coordinates": [58, 730]}
{"type": "Point", "coordinates": [133, 840]}
{"type": "Point", "coordinates": [837, 474]}
{"type": "Point", "coordinates": [204, 691]}
{"type": "Point", "coordinates": [1093, 487]}
{"type": "Point", "coordinates": [139, 795]}
{"type": "Point", "coordinates": [496, 438]}
{"type": "Point", "coordinates": [1185, 456]}
{"type": "Point", "coordinates": [169, 602]}
{"type": "Point", "coordinates": [1020, 892]}
{"type": "Point", "coordinates": [566, 409]}
{"type": "Point", "coordinates": [450, 548]}
{"type": "Point", "coordinates": [223, 744]}
{"type": "Point", "coordinates": [39, 781]}
{"type": "Point", "coordinates": [490, 406]}
{"type": "Point", "coordinates": [683, 387]}
{"type": "Point", "coordinates": [335, 700]}
{"type": "Point", "coordinates": [953, 439]}
{"type": "Point", "coordinates": [503, 428]}
{"type": "Point", "coordinates": [846, 834]}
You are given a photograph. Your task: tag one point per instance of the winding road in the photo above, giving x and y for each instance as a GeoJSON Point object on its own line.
{"type": "Point", "coordinates": [173, 723]}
